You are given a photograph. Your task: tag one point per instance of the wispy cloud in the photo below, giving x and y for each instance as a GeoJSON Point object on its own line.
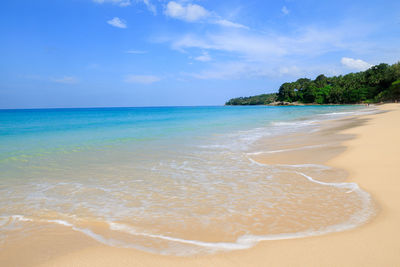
{"type": "Point", "coordinates": [136, 52]}
{"type": "Point", "coordinates": [243, 54]}
{"type": "Point", "coordinates": [189, 12]}
{"type": "Point", "coordinates": [196, 13]}
{"type": "Point", "coordinates": [204, 57]}
{"type": "Point", "coordinates": [235, 70]}
{"type": "Point", "coordinates": [356, 64]}
{"type": "Point", "coordinates": [151, 7]}
{"type": "Point", "coordinates": [227, 23]}
{"type": "Point", "coordinates": [232, 70]}
{"type": "Point", "coordinates": [143, 79]}
{"type": "Point", "coordinates": [92, 66]}
{"type": "Point", "coordinates": [121, 3]}
{"type": "Point", "coordinates": [222, 71]}
{"type": "Point", "coordinates": [261, 47]}
{"type": "Point", "coordinates": [124, 3]}
{"type": "Point", "coordinates": [117, 22]}
{"type": "Point", "coordinates": [285, 10]}
{"type": "Point", "coordinates": [245, 45]}
{"type": "Point", "coordinates": [62, 79]}
{"type": "Point", "coordinates": [65, 80]}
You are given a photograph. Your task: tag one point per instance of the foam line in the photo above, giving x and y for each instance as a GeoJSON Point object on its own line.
{"type": "Point", "coordinates": [243, 242]}
{"type": "Point", "coordinates": [256, 162]}
{"type": "Point", "coordinates": [284, 150]}
{"type": "Point", "coordinates": [351, 186]}
{"type": "Point", "coordinates": [216, 245]}
{"type": "Point", "coordinates": [307, 165]}
{"type": "Point", "coordinates": [20, 218]}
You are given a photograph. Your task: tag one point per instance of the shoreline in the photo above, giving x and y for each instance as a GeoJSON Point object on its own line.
{"type": "Point", "coordinates": [340, 248]}
{"type": "Point", "coordinates": [284, 104]}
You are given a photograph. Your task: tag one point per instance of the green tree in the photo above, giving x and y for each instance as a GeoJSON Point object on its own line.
{"type": "Point", "coordinates": [378, 83]}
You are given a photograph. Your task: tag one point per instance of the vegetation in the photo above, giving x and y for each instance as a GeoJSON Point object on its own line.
{"type": "Point", "coordinates": [264, 99]}
{"type": "Point", "coordinates": [378, 83]}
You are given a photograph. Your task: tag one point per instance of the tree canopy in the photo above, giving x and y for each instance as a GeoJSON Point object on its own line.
{"type": "Point", "coordinates": [378, 83]}
{"type": "Point", "coordinates": [263, 99]}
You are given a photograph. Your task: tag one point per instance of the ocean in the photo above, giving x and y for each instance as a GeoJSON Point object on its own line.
{"type": "Point", "coordinates": [170, 180]}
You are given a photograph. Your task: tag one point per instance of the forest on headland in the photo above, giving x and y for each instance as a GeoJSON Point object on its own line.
{"type": "Point", "coordinates": [380, 83]}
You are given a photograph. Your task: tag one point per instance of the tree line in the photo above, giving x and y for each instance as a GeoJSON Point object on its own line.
{"type": "Point", "coordinates": [380, 83]}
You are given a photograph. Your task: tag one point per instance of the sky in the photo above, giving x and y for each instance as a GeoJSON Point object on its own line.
{"type": "Point", "coordinates": [123, 53]}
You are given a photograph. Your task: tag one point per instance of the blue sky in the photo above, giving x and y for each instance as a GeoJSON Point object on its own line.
{"type": "Point", "coordinates": [108, 53]}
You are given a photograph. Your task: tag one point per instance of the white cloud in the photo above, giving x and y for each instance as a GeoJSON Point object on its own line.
{"type": "Point", "coordinates": [242, 44]}
{"type": "Point", "coordinates": [234, 70]}
{"type": "Point", "coordinates": [356, 64]}
{"type": "Point", "coordinates": [136, 52]}
{"type": "Point", "coordinates": [65, 80]}
{"type": "Point", "coordinates": [121, 3]}
{"type": "Point", "coordinates": [143, 79]}
{"type": "Point", "coordinates": [150, 6]}
{"type": "Point", "coordinates": [272, 54]}
{"type": "Point", "coordinates": [222, 71]}
{"type": "Point", "coordinates": [190, 12]}
{"type": "Point", "coordinates": [204, 57]}
{"type": "Point", "coordinates": [117, 22]}
{"type": "Point", "coordinates": [306, 42]}
{"type": "Point", "coordinates": [227, 23]}
{"type": "Point", "coordinates": [197, 13]}
{"type": "Point", "coordinates": [285, 10]}
{"type": "Point", "coordinates": [290, 70]}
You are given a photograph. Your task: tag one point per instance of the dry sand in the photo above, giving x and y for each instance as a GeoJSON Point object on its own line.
{"type": "Point", "coordinates": [372, 160]}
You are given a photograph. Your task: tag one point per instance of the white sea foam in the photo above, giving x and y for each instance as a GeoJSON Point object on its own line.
{"type": "Point", "coordinates": [339, 113]}
{"type": "Point", "coordinates": [351, 186]}
{"type": "Point", "coordinates": [212, 245]}
{"type": "Point", "coordinates": [307, 165]}
{"type": "Point", "coordinates": [20, 218]}
{"type": "Point", "coordinates": [60, 222]}
{"type": "Point", "coordinates": [256, 162]}
{"type": "Point", "coordinates": [285, 150]}
{"type": "Point", "coordinates": [368, 111]}
{"type": "Point", "coordinates": [295, 123]}
{"type": "Point", "coordinates": [242, 242]}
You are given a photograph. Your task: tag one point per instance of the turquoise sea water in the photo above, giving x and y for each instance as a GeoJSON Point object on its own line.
{"type": "Point", "coordinates": [28, 132]}
{"type": "Point", "coordinates": [159, 177]}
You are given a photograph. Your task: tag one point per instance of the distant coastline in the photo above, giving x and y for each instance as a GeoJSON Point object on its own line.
{"type": "Point", "coordinates": [380, 83]}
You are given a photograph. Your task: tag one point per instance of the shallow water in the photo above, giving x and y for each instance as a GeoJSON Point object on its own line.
{"type": "Point", "coordinates": [171, 180]}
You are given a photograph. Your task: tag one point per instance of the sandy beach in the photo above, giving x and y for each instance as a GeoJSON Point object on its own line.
{"type": "Point", "coordinates": [366, 148]}
{"type": "Point", "coordinates": [199, 133]}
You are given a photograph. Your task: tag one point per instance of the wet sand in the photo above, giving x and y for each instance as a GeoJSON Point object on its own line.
{"type": "Point", "coordinates": [367, 149]}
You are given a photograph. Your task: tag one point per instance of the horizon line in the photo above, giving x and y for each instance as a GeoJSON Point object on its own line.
{"type": "Point", "coordinates": [102, 107]}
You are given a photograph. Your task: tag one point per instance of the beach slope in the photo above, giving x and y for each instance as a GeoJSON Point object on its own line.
{"type": "Point", "coordinates": [372, 159]}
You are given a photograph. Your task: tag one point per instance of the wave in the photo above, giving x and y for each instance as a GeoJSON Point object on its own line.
{"type": "Point", "coordinates": [186, 247]}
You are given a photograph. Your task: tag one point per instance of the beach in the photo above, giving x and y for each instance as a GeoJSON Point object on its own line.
{"type": "Point", "coordinates": [361, 149]}
{"type": "Point", "coordinates": [199, 133]}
